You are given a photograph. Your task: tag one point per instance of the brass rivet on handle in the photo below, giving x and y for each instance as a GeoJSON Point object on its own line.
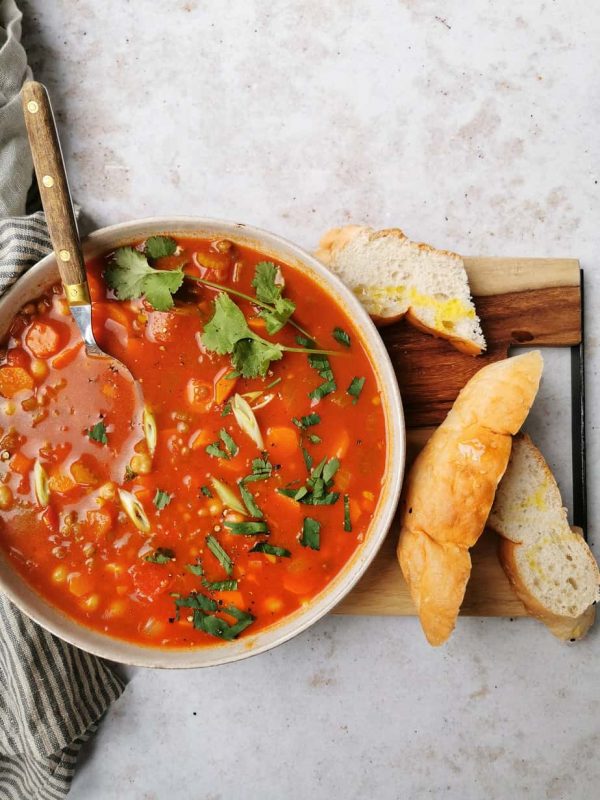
{"type": "Point", "coordinates": [32, 107]}
{"type": "Point", "coordinates": [64, 255]}
{"type": "Point", "coordinates": [48, 181]}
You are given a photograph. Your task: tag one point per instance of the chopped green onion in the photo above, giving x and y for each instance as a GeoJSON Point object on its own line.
{"type": "Point", "coordinates": [227, 496]}
{"type": "Point", "coordinates": [134, 510]}
{"type": "Point", "coordinates": [246, 420]}
{"type": "Point", "coordinates": [40, 481]}
{"type": "Point", "coordinates": [150, 430]}
{"type": "Point", "coordinates": [219, 553]}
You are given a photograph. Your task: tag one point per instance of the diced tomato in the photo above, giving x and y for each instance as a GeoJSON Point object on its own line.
{"type": "Point", "coordinates": [100, 521]}
{"type": "Point", "coordinates": [21, 464]}
{"type": "Point", "coordinates": [14, 380]}
{"type": "Point", "coordinates": [282, 442]}
{"type": "Point", "coordinates": [150, 579]}
{"type": "Point", "coordinates": [50, 519]}
{"type": "Point", "coordinates": [67, 356]}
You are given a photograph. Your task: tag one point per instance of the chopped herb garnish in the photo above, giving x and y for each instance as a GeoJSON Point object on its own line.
{"type": "Point", "coordinates": [330, 468]}
{"type": "Point", "coordinates": [347, 520]}
{"type": "Point", "coordinates": [226, 410]}
{"type": "Point", "coordinates": [323, 390]}
{"type": "Point", "coordinates": [220, 586]}
{"type": "Point", "coordinates": [270, 549]}
{"type": "Point", "coordinates": [129, 474]}
{"type": "Point", "coordinates": [230, 445]}
{"type": "Point", "coordinates": [316, 491]}
{"type": "Point", "coordinates": [314, 439]}
{"type": "Point", "coordinates": [321, 364]}
{"type": "Point", "coordinates": [219, 627]}
{"type": "Point", "coordinates": [311, 533]}
{"type": "Point", "coordinates": [195, 569]}
{"type": "Point", "coordinates": [269, 286]}
{"type": "Point", "coordinates": [274, 383]}
{"type": "Point", "coordinates": [247, 528]}
{"type": "Point", "coordinates": [249, 501]}
{"type": "Point", "coordinates": [97, 433]}
{"type": "Point", "coordinates": [214, 450]}
{"type": "Point", "coordinates": [206, 491]}
{"type": "Point", "coordinates": [307, 421]}
{"type": "Point", "coordinates": [261, 469]}
{"type": "Point", "coordinates": [162, 555]}
{"type": "Point", "coordinates": [197, 602]}
{"type": "Point", "coordinates": [233, 375]}
{"type": "Point", "coordinates": [308, 459]}
{"type": "Point", "coordinates": [355, 388]}
{"type": "Point", "coordinates": [304, 341]}
{"type": "Point", "coordinates": [130, 276]}
{"type": "Point", "coordinates": [219, 553]}
{"type": "Point", "coordinates": [161, 499]}
{"type": "Point", "coordinates": [159, 246]}
{"type": "Point", "coordinates": [340, 335]}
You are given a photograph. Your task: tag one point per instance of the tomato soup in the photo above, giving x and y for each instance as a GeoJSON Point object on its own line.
{"type": "Point", "coordinates": [258, 468]}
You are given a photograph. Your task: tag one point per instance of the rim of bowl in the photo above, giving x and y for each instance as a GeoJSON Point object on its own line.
{"type": "Point", "coordinates": [42, 274]}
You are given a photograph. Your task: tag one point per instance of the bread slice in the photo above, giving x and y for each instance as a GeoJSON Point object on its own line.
{"type": "Point", "coordinates": [549, 563]}
{"type": "Point", "coordinates": [394, 277]}
{"type": "Point", "coordinates": [450, 488]}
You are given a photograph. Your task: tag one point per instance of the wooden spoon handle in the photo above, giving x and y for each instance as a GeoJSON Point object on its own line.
{"type": "Point", "coordinates": [54, 191]}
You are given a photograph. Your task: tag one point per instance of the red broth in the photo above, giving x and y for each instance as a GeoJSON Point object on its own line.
{"type": "Point", "coordinates": [192, 578]}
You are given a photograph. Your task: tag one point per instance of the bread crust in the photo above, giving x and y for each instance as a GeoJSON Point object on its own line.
{"type": "Point", "coordinates": [451, 486]}
{"type": "Point", "coordinates": [335, 240]}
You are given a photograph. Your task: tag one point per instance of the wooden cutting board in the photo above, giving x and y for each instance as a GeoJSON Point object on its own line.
{"type": "Point", "coordinates": [521, 301]}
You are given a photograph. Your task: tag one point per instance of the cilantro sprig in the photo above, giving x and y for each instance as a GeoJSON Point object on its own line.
{"type": "Point", "coordinates": [130, 276]}
{"type": "Point", "coordinates": [269, 290]}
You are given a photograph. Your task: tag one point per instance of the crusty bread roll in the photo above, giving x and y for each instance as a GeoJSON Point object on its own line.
{"type": "Point", "coordinates": [451, 486]}
{"type": "Point", "coordinates": [549, 563]}
{"type": "Point", "coordinates": [394, 277]}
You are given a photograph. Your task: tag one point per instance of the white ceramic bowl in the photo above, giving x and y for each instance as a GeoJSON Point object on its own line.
{"type": "Point", "coordinates": [44, 274]}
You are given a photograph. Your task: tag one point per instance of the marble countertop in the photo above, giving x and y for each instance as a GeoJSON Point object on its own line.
{"type": "Point", "coordinates": [470, 124]}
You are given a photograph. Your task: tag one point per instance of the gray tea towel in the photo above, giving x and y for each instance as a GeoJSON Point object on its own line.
{"type": "Point", "coordinates": [52, 695]}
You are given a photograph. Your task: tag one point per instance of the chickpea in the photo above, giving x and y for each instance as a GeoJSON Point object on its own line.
{"type": "Point", "coordinates": [91, 603]}
{"type": "Point", "coordinates": [6, 497]}
{"type": "Point", "coordinates": [39, 368]}
{"type": "Point", "coordinates": [59, 575]}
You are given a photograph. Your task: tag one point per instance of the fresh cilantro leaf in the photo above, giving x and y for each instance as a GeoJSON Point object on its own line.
{"type": "Point", "coordinates": [304, 341]}
{"type": "Point", "coordinates": [249, 501]}
{"type": "Point", "coordinates": [219, 553]}
{"type": "Point", "coordinates": [276, 319]}
{"type": "Point", "coordinates": [130, 276]}
{"type": "Point", "coordinates": [197, 602]}
{"type": "Point", "coordinates": [340, 335]}
{"type": "Point", "coordinates": [311, 534]}
{"type": "Point", "coordinates": [159, 246]}
{"type": "Point", "coordinates": [355, 388]}
{"type": "Point", "coordinates": [321, 363]}
{"type": "Point", "coordinates": [306, 421]}
{"type": "Point", "coordinates": [270, 549]}
{"type": "Point", "coordinates": [206, 491]}
{"type": "Point", "coordinates": [162, 555]}
{"type": "Point", "coordinates": [323, 390]}
{"type": "Point", "coordinates": [230, 445]}
{"type": "Point", "coordinates": [97, 433]}
{"type": "Point", "coordinates": [261, 469]}
{"type": "Point", "coordinates": [220, 627]}
{"type": "Point", "coordinates": [347, 520]}
{"type": "Point", "coordinates": [246, 528]}
{"type": "Point", "coordinates": [215, 451]}
{"type": "Point", "coordinates": [227, 326]}
{"type": "Point", "coordinates": [252, 357]}
{"type": "Point", "coordinates": [264, 281]}
{"type": "Point", "coordinates": [161, 499]}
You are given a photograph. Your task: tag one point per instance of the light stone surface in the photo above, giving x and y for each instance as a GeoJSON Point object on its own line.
{"type": "Point", "coordinates": [471, 124]}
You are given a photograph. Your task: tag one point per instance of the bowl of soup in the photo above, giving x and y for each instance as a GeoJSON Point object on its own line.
{"type": "Point", "coordinates": [269, 466]}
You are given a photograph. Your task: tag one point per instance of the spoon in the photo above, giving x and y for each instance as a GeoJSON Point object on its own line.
{"type": "Point", "coordinates": [60, 217]}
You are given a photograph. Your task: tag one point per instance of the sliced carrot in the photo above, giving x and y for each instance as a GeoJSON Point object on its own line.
{"type": "Point", "coordinates": [199, 439]}
{"type": "Point", "coordinates": [224, 386]}
{"type": "Point", "coordinates": [234, 598]}
{"type": "Point", "coordinates": [84, 473]}
{"type": "Point", "coordinates": [14, 380]}
{"type": "Point", "coordinates": [21, 464]}
{"type": "Point", "coordinates": [301, 581]}
{"type": "Point", "coordinates": [67, 356]}
{"type": "Point", "coordinates": [282, 441]}
{"type": "Point", "coordinates": [256, 323]}
{"type": "Point", "coordinates": [42, 339]}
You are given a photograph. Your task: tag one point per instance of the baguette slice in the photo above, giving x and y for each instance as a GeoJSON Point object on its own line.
{"type": "Point", "coordinates": [394, 277]}
{"type": "Point", "coordinates": [549, 564]}
{"type": "Point", "coordinates": [451, 486]}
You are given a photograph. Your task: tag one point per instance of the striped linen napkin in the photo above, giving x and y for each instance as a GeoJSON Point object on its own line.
{"type": "Point", "coordinates": [52, 695]}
